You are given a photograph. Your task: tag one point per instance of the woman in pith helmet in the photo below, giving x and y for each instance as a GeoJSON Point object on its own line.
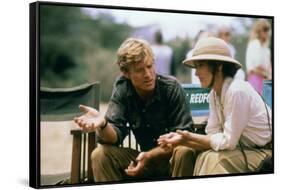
{"type": "Point", "coordinates": [238, 119]}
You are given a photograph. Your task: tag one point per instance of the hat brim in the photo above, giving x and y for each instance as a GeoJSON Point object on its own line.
{"type": "Point", "coordinates": [190, 61]}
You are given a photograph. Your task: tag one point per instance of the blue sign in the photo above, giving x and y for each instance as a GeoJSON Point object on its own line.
{"type": "Point", "coordinates": [198, 99]}
{"type": "Point", "coordinates": [267, 92]}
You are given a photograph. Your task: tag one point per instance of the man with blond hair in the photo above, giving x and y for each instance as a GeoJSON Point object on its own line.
{"type": "Point", "coordinates": [150, 105]}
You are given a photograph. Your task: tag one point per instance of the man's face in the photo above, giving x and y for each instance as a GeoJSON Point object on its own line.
{"type": "Point", "coordinates": [203, 72]}
{"type": "Point", "coordinates": [142, 76]}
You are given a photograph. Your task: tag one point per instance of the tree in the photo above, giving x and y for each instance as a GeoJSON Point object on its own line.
{"type": "Point", "coordinates": [76, 48]}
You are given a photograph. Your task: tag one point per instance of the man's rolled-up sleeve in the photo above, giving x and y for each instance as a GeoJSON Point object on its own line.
{"type": "Point", "coordinates": [116, 116]}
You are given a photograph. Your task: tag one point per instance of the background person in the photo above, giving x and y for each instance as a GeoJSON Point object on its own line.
{"type": "Point", "coordinates": [152, 105]}
{"type": "Point", "coordinates": [238, 115]}
{"type": "Point", "coordinates": [224, 33]}
{"type": "Point", "coordinates": [201, 34]}
{"type": "Point", "coordinates": [163, 55]}
{"type": "Point", "coordinates": [258, 54]}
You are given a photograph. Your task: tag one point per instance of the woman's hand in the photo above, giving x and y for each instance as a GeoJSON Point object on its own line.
{"type": "Point", "coordinates": [173, 139]}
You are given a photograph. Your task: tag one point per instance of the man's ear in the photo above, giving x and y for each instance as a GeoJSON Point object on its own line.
{"type": "Point", "coordinates": [126, 74]}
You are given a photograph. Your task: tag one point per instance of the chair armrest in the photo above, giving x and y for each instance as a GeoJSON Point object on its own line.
{"type": "Point", "coordinates": [78, 153]}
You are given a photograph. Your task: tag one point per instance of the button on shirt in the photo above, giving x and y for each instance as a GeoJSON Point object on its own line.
{"type": "Point", "coordinates": [166, 111]}
{"type": "Point", "coordinates": [239, 113]}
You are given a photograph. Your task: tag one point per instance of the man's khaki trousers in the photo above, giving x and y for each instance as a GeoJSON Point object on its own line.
{"type": "Point", "coordinates": [109, 163]}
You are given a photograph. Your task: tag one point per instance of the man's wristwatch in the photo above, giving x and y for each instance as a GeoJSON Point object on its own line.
{"type": "Point", "coordinates": [104, 126]}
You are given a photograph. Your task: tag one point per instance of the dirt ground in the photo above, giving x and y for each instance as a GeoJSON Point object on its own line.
{"type": "Point", "coordinates": [56, 145]}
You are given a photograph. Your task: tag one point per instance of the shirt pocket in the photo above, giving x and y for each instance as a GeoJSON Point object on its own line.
{"type": "Point", "coordinates": [134, 121]}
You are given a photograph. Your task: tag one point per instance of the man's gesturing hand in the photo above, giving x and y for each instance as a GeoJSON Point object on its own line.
{"type": "Point", "coordinates": [90, 120]}
{"type": "Point", "coordinates": [137, 168]}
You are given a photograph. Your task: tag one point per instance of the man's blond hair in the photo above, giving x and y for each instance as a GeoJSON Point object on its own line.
{"type": "Point", "coordinates": [133, 51]}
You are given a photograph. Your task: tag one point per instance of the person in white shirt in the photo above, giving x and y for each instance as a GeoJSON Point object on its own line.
{"type": "Point", "coordinates": [201, 34]}
{"type": "Point", "coordinates": [163, 55]}
{"type": "Point", "coordinates": [224, 33]}
{"type": "Point", "coordinates": [258, 55]}
{"type": "Point", "coordinates": [238, 116]}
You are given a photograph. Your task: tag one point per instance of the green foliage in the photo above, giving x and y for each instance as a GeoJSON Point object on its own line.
{"type": "Point", "coordinates": [240, 43]}
{"type": "Point", "coordinates": [180, 48]}
{"type": "Point", "coordinates": [75, 48]}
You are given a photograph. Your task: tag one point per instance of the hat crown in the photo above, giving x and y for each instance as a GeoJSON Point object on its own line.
{"type": "Point", "coordinates": [211, 46]}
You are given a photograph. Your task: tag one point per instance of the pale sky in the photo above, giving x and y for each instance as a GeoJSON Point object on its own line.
{"type": "Point", "coordinates": [172, 24]}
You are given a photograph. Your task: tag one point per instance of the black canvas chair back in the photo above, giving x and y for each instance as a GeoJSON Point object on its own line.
{"type": "Point", "coordinates": [62, 104]}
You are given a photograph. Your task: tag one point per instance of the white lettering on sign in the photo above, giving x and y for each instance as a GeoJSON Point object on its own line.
{"type": "Point", "coordinates": [199, 98]}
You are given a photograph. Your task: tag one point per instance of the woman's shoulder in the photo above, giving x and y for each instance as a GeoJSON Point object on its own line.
{"type": "Point", "coordinates": [240, 86]}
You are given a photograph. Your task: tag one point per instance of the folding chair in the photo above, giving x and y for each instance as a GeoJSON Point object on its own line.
{"type": "Point", "coordinates": [61, 104]}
